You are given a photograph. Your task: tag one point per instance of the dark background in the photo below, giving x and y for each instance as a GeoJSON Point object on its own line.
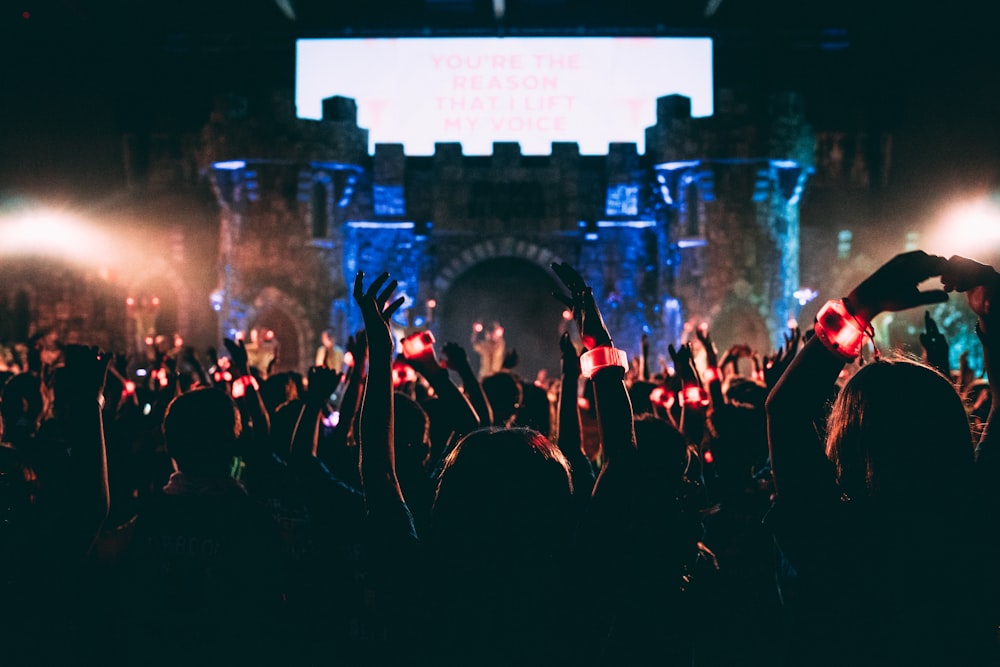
{"type": "Point", "coordinates": [77, 76]}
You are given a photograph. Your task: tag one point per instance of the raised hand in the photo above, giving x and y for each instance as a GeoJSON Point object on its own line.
{"type": "Point", "coordinates": [589, 322]}
{"type": "Point", "coordinates": [86, 370]}
{"type": "Point", "coordinates": [322, 382]}
{"type": "Point", "coordinates": [455, 357]}
{"type": "Point", "coordinates": [684, 365]}
{"type": "Point", "coordinates": [374, 310]}
{"type": "Point", "coordinates": [981, 285]}
{"type": "Point", "coordinates": [775, 364]}
{"type": "Point", "coordinates": [239, 359]}
{"type": "Point", "coordinates": [935, 344]}
{"type": "Point", "coordinates": [705, 338]}
{"type": "Point", "coordinates": [570, 356]}
{"type": "Point", "coordinates": [894, 285]}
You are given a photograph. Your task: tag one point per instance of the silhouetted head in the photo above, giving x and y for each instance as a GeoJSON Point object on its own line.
{"type": "Point", "coordinates": [535, 411]}
{"type": "Point", "coordinates": [504, 393]}
{"type": "Point", "coordinates": [662, 449]}
{"type": "Point", "coordinates": [278, 389]}
{"type": "Point", "coordinates": [200, 429]}
{"type": "Point", "coordinates": [411, 430]}
{"type": "Point", "coordinates": [898, 431]}
{"type": "Point", "coordinates": [503, 493]}
{"type": "Point", "coordinates": [21, 406]}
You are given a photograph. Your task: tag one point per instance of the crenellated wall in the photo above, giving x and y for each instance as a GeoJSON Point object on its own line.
{"type": "Point", "coordinates": [704, 226]}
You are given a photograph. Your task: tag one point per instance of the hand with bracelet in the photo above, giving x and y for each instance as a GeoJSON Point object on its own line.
{"type": "Point", "coordinates": [600, 351]}
{"type": "Point", "coordinates": [842, 324]}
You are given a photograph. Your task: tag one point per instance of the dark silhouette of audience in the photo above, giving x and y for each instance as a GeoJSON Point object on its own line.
{"type": "Point", "coordinates": [401, 510]}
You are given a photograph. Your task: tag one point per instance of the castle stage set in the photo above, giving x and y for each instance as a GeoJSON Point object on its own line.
{"type": "Point", "coordinates": [700, 227]}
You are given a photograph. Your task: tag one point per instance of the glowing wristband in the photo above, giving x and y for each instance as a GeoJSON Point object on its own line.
{"type": "Point", "coordinates": [402, 374]}
{"type": "Point", "coordinates": [694, 396]}
{"type": "Point", "coordinates": [840, 331]}
{"type": "Point", "coordinates": [712, 374]}
{"type": "Point", "coordinates": [415, 344]}
{"type": "Point", "coordinates": [241, 384]}
{"type": "Point", "coordinates": [663, 397]}
{"type": "Point", "coordinates": [602, 357]}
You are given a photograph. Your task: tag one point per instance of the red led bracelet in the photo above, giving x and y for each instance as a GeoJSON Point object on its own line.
{"type": "Point", "coordinates": [694, 396]}
{"type": "Point", "coordinates": [415, 344]}
{"type": "Point", "coordinates": [840, 331]}
{"type": "Point", "coordinates": [402, 373]}
{"type": "Point", "coordinates": [663, 397]}
{"type": "Point", "coordinates": [712, 374]}
{"type": "Point", "coordinates": [602, 357]}
{"type": "Point", "coordinates": [241, 384]}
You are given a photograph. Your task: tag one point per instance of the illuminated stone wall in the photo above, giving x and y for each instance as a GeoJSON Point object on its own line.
{"type": "Point", "coordinates": [705, 224]}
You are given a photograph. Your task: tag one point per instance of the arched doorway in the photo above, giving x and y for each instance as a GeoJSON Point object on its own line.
{"type": "Point", "coordinates": [278, 336]}
{"type": "Point", "coordinates": [515, 293]}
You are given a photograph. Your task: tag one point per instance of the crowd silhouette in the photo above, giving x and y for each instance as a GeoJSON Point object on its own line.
{"type": "Point", "coordinates": [405, 509]}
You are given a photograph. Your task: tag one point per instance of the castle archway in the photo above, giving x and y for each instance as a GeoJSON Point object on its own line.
{"type": "Point", "coordinates": [516, 294]}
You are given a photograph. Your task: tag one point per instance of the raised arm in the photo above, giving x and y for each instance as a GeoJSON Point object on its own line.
{"type": "Point", "coordinates": [464, 418]}
{"type": "Point", "coordinates": [570, 432]}
{"type": "Point", "coordinates": [86, 505]}
{"type": "Point", "coordinates": [798, 461]}
{"type": "Point", "coordinates": [356, 368]}
{"type": "Point", "coordinates": [605, 367]}
{"type": "Point", "coordinates": [383, 496]}
{"type": "Point", "coordinates": [322, 382]}
{"type": "Point", "coordinates": [246, 393]}
{"type": "Point", "coordinates": [457, 360]}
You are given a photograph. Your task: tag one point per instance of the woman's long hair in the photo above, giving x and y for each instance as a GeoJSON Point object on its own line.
{"type": "Point", "coordinates": [898, 431]}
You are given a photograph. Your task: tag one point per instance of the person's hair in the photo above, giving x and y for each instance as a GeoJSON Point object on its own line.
{"type": "Point", "coordinates": [503, 492]}
{"type": "Point", "coordinates": [898, 431]}
{"type": "Point", "coordinates": [200, 429]}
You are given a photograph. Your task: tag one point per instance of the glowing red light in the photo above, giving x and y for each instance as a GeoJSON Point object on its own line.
{"type": "Point", "coordinates": [239, 390]}
{"type": "Point", "coordinates": [432, 303]}
{"type": "Point", "coordinates": [663, 397]}
{"type": "Point", "coordinates": [155, 301]}
{"type": "Point", "coordinates": [161, 375]}
{"type": "Point", "coordinates": [707, 456]}
{"type": "Point", "coordinates": [839, 330]}
{"type": "Point", "coordinates": [25, 15]}
{"type": "Point", "coordinates": [601, 357]}
{"type": "Point", "coordinates": [712, 374]}
{"type": "Point", "coordinates": [567, 314]}
{"type": "Point", "coordinates": [348, 358]}
{"type": "Point", "coordinates": [149, 340]}
{"type": "Point", "coordinates": [694, 396]}
{"type": "Point", "coordinates": [129, 387]}
{"type": "Point", "coordinates": [268, 335]}
{"type": "Point", "coordinates": [477, 327]}
{"type": "Point", "coordinates": [402, 374]}
{"type": "Point", "coordinates": [416, 344]}
{"type": "Point", "coordinates": [227, 376]}
{"type": "Point", "coordinates": [130, 301]}
{"type": "Point", "coordinates": [583, 403]}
